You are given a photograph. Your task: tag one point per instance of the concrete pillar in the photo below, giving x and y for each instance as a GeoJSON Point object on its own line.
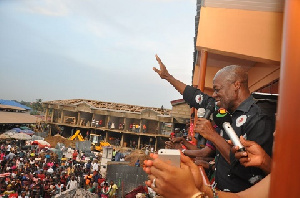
{"type": "Point", "coordinates": [62, 116]}
{"type": "Point", "coordinates": [46, 114]}
{"type": "Point", "coordinates": [52, 115]}
{"type": "Point", "coordinates": [139, 142]}
{"type": "Point", "coordinates": [122, 140]}
{"type": "Point", "coordinates": [108, 120]}
{"type": "Point", "coordinates": [141, 128]}
{"type": "Point", "coordinates": [106, 136]}
{"type": "Point", "coordinates": [78, 118]}
{"type": "Point", "coordinates": [159, 128]}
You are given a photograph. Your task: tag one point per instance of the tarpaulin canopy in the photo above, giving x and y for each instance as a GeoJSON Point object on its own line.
{"type": "Point", "coordinates": [41, 143]}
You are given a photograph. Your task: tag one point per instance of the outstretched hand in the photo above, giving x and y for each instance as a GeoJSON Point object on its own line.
{"type": "Point", "coordinates": [163, 72]}
{"type": "Point", "coordinates": [253, 156]}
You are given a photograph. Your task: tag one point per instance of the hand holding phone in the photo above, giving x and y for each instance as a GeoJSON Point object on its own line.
{"type": "Point", "coordinates": [170, 156]}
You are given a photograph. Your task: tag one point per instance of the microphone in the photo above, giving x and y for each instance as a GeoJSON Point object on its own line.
{"type": "Point", "coordinates": [205, 113]}
{"type": "Point", "coordinates": [210, 108]}
{"type": "Point", "coordinates": [223, 120]}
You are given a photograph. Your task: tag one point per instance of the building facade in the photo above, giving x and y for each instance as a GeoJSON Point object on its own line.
{"type": "Point", "coordinates": [127, 125]}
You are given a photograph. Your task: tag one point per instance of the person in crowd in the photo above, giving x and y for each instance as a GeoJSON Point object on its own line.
{"type": "Point", "coordinates": [95, 166]}
{"type": "Point", "coordinates": [113, 190]}
{"type": "Point", "coordinates": [72, 184]}
{"type": "Point", "coordinates": [231, 92]}
{"type": "Point", "coordinates": [137, 163]}
{"type": "Point", "coordinates": [105, 190]}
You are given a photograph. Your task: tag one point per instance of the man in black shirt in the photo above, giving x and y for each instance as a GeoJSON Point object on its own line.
{"type": "Point", "coordinates": [231, 92]}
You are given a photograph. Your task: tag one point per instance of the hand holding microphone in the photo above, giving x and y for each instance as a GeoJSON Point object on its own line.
{"type": "Point", "coordinates": [254, 155]}
{"type": "Point", "coordinates": [223, 120]}
{"type": "Point", "coordinates": [203, 125]}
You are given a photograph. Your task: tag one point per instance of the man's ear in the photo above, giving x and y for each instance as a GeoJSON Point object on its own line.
{"type": "Point", "coordinates": [237, 85]}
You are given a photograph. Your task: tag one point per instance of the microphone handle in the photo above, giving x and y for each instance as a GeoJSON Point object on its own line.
{"type": "Point", "coordinates": [232, 135]}
{"type": "Point", "coordinates": [207, 114]}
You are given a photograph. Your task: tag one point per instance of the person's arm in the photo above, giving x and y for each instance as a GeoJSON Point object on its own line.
{"type": "Point", "coordinates": [205, 152]}
{"type": "Point", "coordinates": [184, 142]}
{"type": "Point", "coordinates": [259, 190]}
{"type": "Point", "coordinates": [164, 74]}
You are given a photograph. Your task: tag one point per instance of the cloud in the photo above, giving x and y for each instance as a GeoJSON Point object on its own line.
{"type": "Point", "coordinates": [47, 7]}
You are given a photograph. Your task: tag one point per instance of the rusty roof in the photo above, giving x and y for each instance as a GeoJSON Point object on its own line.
{"type": "Point", "coordinates": [109, 106]}
{"type": "Point", "coordinates": [17, 118]}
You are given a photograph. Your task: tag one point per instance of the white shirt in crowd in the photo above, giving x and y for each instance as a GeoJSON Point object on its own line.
{"type": "Point", "coordinates": [95, 166]}
{"type": "Point", "coordinates": [72, 184]}
{"type": "Point", "coordinates": [8, 147]}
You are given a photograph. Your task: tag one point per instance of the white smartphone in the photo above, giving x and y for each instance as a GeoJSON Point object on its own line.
{"type": "Point", "coordinates": [171, 156]}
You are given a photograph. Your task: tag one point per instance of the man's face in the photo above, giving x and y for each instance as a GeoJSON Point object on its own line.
{"type": "Point", "coordinates": [224, 93]}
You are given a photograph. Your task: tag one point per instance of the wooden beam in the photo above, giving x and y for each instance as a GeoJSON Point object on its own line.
{"type": "Point", "coordinates": [285, 170]}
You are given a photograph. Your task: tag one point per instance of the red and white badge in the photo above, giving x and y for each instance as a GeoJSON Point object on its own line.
{"type": "Point", "coordinates": [199, 99]}
{"type": "Point", "coordinates": [241, 120]}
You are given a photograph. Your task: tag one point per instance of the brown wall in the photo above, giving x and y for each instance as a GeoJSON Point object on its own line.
{"type": "Point", "coordinates": [181, 110]}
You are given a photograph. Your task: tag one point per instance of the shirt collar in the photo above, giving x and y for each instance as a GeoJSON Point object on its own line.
{"type": "Point", "coordinates": [246, 104]}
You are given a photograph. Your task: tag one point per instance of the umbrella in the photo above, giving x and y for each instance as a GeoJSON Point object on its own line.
{"type": "Point", "coordinates": [41, 143]}
{"type": "Point", "coordinates": [4, 136]}
{"type": "Point", "coordinates": [28, 132]}
{"type": "Point", "coordinates": [7, 134]}
{"type": "Point", "coordinates": [16, 130]}
{"type": "Point", "coordinates": [36, 137]}
{"type": "Point", "coordinates": [24, 127]}
{"type": "Point", "coordinates": [21, 136]}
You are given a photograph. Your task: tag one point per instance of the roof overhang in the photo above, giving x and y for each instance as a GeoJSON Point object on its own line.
{"type": "Point", "coordinates": [17, 118]}
{"type": "Point", "coordinates": [245, 33]}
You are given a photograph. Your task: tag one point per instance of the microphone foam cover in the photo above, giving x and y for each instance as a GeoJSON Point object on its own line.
{"type": "Point", "coordinates": [222, 116]}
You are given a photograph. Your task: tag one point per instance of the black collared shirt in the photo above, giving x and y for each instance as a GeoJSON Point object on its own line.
{"type": "Point", "coordinates": [248, 120]}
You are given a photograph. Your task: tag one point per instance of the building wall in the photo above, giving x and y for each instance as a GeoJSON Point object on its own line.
{"type": "Point", "coordinates": [253, 34]}
{"type": "Point", "coordinates": [181, 110]}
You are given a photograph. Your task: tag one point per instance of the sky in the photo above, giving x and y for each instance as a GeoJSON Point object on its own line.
{"type": "Point", "coordinates": [95, 49]}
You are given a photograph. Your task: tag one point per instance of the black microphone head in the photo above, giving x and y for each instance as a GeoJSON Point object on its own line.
{"type": "Point", "coordinates": [222, 116]}
{"type": "Point", "coordinates": [210, 106]}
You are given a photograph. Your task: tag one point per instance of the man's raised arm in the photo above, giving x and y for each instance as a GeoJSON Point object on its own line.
{"type": "Point", "coordinates": [164, 74]}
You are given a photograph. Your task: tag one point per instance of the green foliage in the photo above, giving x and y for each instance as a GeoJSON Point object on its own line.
{"type": "Point", "coordinates": [36, 107]}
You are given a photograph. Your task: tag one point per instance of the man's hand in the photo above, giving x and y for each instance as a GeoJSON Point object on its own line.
{"type": "Point", "coordinates": [163, 72]}
{"type": "Point", "coordinates": [205, 128]}
{"type": "Point", "coordinates": [172, 145]}
{"type": "Point", "coordinates": [253, 156]}
{"type": "Point", "coordinates": [177, 139]}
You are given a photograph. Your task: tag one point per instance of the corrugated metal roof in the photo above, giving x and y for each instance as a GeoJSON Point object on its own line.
{"type": "Point", "coordinates": [17, 118]}
{"type": "Point", "coordinates": [11, 107]}
{"type": "Point", "coordinates": [14, 103]}
{"type": "Point", "coordinates": [108, 105]}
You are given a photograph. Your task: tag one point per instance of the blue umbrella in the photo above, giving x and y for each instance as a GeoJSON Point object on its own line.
{"type": "Point", "coordinates": [28, 132]}
{"type": "Point", "coordinates": [18, 130]}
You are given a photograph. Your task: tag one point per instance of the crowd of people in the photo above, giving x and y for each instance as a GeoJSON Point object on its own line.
{"type": "Point", "coordinates": [39, 173]}
{"type": "Point", "coordinates": [236, 173]}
